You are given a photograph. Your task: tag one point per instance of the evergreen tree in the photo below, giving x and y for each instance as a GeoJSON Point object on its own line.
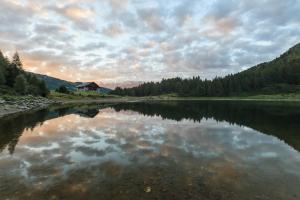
{"type": "Point", "coordinates": [12, 73]}
{"type": "Point", "coordinates": [20, 85]}
{"type": "Point", "coordinates": [14, 78]}
{"type": "Point", "coordinates": [62, 89]}
{"type": "Point", "coordinates": [17, 61]}
{"type": "Point", "coordinates": [2, 78]}
{"type": "Point", "coordinates": [282, 75]}
{"type": "Point", "coordinates": [43, 90]}
{"type": "Point", "coordinates": [2, 69]}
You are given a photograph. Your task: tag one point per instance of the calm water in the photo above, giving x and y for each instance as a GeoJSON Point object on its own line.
{"type": "Point", "coordinates": [168, 150]}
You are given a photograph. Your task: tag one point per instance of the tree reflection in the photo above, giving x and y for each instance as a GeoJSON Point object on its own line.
{"type": "Point", "coordinates": [279, 119]}
{"type": "Point", "coordinates": [11, 128]}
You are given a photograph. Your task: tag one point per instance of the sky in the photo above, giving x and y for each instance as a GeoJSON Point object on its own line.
{"type": "Point", "coordinates": [126, 42]}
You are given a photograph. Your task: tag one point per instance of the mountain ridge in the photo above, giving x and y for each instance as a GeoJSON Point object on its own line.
{"type": "Point", "coordinates": [280, 75]}
{"type": "Point", "coordinates": [53, 83]}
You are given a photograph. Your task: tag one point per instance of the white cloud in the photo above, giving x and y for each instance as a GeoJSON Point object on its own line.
{"type": "Point", "coordinates": [125, 40]}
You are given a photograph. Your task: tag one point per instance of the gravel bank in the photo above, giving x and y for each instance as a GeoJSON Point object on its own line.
{"type": "Point", "coordinates": [13, 105]}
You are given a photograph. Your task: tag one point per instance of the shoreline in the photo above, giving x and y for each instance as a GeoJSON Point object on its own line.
{"type": "Point", "coordinates": [18, 105]}
{"type": "Point", "coordinates": [26, 104]}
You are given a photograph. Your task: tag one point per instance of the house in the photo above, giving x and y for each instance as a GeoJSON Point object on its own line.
{"type": "Point", "coordinates": [88, 86]}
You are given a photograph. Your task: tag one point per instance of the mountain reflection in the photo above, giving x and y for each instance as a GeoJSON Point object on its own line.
{"type": "Point", "coordinates": [275, 118]}
{"type": "Point", "coordinates": [278, 119]}
{"type": "Point", "coordinates": [12, 128]}
{"type": "Point", "coordinates": [155, 150]}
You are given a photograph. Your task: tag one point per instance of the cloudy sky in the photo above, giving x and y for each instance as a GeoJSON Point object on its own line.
{"type": "Point", "coordinates": [122, 42]}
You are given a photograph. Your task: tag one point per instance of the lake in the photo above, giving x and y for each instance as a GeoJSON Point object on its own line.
{"type": "Point", "coordinates": [155, 150]}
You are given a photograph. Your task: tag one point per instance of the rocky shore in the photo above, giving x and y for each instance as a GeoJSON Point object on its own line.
{"type": "Point", "coordinates": [13, 105]}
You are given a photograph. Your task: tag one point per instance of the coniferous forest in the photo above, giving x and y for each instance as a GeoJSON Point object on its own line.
{"type": "Point", "coordinates": [281, 75]}
{"type": "Point", "coordinates": [15, 81]}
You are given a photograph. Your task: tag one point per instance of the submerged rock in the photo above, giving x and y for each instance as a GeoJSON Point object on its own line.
{"type": "Point", "coordinates": [148, 189]}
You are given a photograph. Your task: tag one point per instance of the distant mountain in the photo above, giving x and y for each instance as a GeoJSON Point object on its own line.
{"type": "Point", "coordinates": [101, 89]}
{"type": "Point", "coordinates": [281, 75]}
{"type": "Point", "coordinates": [53, 83]}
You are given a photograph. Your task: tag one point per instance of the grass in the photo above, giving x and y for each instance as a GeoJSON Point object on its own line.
{"type": "Point", "coordinates": [90, 95]}
{"type": "Point", "coordinates": [291, 96]}
{"type": "Point", "coordinates": [273, 97]}
{"type": "Point", "coordinates": [78, 95]}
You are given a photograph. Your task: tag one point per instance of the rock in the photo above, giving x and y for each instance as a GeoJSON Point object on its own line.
{"type": "Point", "coordinates": [9, 102]}
{"type": "Point", "coordinates": [148, 189]}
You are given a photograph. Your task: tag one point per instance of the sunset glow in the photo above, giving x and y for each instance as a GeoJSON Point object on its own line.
{"type": "Point", "coordinates": [126, 42]}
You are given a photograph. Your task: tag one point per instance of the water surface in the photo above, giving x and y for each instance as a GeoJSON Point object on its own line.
{"type": "Point", "coordinates": [158, 150]}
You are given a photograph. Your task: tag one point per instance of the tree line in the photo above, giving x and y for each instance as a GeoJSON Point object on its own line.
{"type": "Point", "coordinates": [14, 80]}
{"type": "Point", "coordinates": [281, 75]}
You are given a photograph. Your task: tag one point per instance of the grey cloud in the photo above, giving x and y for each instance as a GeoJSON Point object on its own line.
{"type": "Point", "coordinates": [183, 11]}
{"type": "Point", "coordinates": [153, 19]}
{"type": "Point", "coordinates": [90, 151]}
{"type": "Point", "coordinates": [113, 30]}
{"type": "Point", "coordinates": [112, 55]}
{"type": "Point", "coordinates": [128, 19]}
{"type": "Point", "coordinates": [52, 29]}
{"type": "Point", "coordinates": [14, 20]}
{"type": "Point", "coordinates": [220, 36]}
{"type": "Point", "coordinates": [93, 62]}
{"type": "Point", "coordinates": [117, 4]}
{"type": "Point", "coordinates": [78, 15]}
{"type": "Point", "coordinates": [93, 46]}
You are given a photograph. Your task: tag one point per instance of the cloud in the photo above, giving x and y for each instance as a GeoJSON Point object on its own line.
{"type": "Point", "coordinates": [77, 13]}
{"type": "Point", "coordinates": [224, 26]}
{"type": "Point", "coordinates": [113, 30]}
{"type": "Point", "coordinates": [52, 29]}
{"type": "Point", "coordinates": [93, 46]}
{"type": "Point", "coordinates": [118, 4]}
{"type": "Point", "coordinates": [152, 19]}
{"type": "Point", "coordinates": [14, 18]}
{"type": "Point", "coordinates": [80, 16]}
{"type": "Point", "coordinates": [117, 41]}
{"type": "Point", "coordinates": [184, 11]}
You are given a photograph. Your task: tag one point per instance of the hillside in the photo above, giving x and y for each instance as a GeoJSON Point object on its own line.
{"type": "Point", "coordinates": [102, 89]}
{"type": "Point", "coordinates": [53, 83]}
{"type": "Point", "coordinates": [281, 75]}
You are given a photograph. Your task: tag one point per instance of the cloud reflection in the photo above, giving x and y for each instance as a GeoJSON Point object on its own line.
{"type": "Point", "coordinates": [120, 153]}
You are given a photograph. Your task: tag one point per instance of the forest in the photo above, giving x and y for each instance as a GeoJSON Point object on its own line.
{"type": "Point", "coordinates": [282, 75]}
{"type": "Point", "coordinates": [15, 81]}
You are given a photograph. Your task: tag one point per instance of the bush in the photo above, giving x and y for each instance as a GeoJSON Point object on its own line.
{"type": "Point", "coordinates": [63, 89]}
{"type": "Point", "coordinates": [20, 85]}
{"type": "Point", "coordinates": [5, 90]}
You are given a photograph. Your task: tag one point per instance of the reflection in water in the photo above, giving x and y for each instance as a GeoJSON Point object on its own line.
{"type": "Point", "coordinates": [175, 150]}
{"type": "Point", "coordinates": [275, 118]}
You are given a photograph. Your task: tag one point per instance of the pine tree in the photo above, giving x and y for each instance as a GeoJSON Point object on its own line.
{"type": "Point", "coordinates": [43, 90]}
{"type": "Point", "coordinates": [2, 77]}
{"type": "Point", "coordinates": [20, 85]}
{"type": "Point", "coordinates": [2, 69]}
{"type": "Point", "coordinates": [17, 61]}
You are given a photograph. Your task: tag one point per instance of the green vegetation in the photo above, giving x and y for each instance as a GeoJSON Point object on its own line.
{"type": "Point", "coordinates": [78, 95]}
{"type": "Point", "coordinates": [62, 89]}
{"type": "Point", "coordinates": [54, 83]}
{"type": "Point", "coordinates": [15, 81]}
{"type": "Point", "coordinates": [20, 84]}
{"type": "Point", "coordinates": [281, 75]}
{"type": "Point", "coordinates": [272, 97]}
